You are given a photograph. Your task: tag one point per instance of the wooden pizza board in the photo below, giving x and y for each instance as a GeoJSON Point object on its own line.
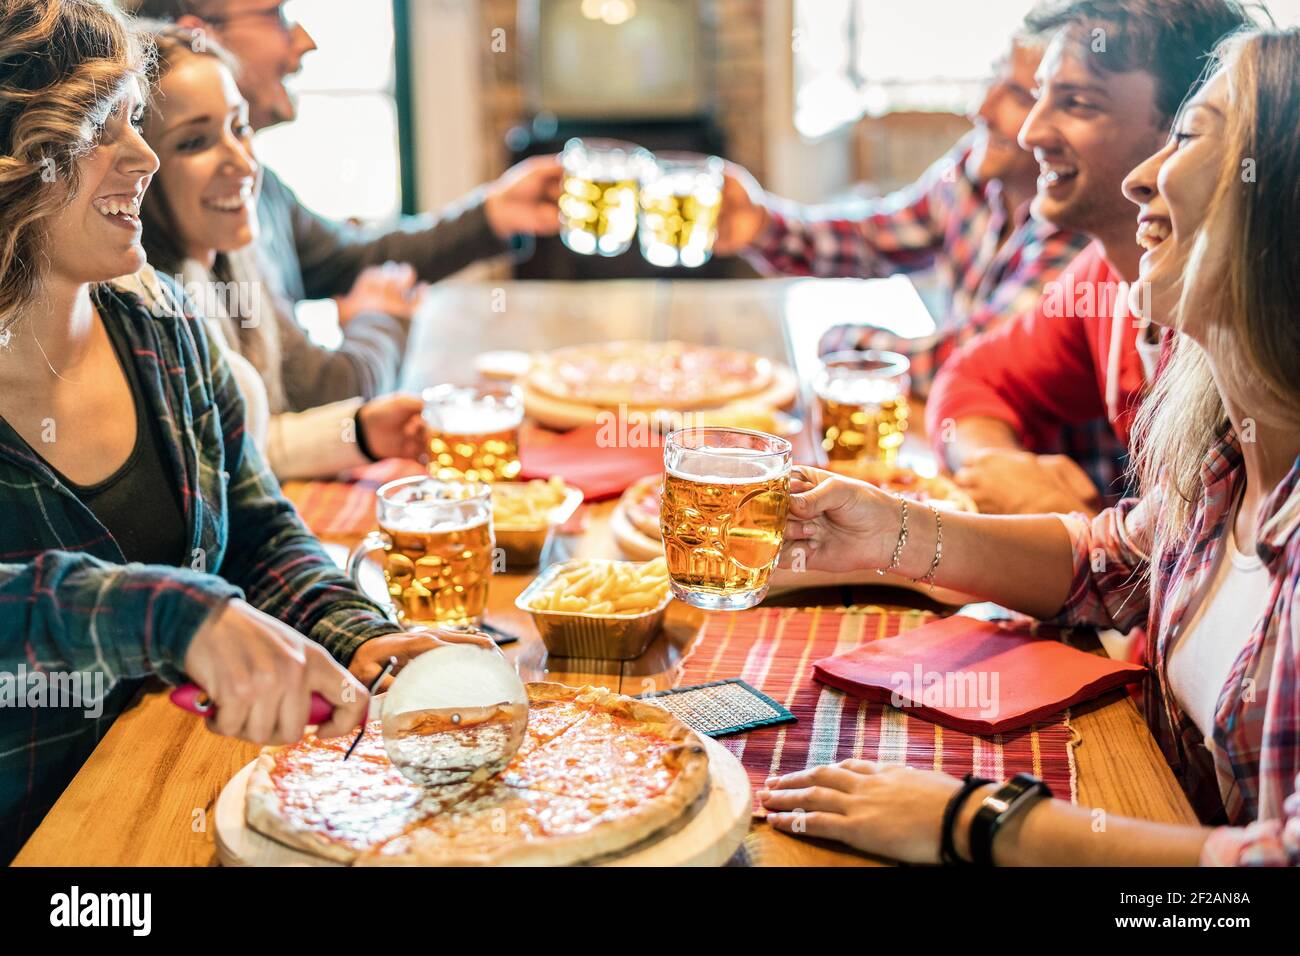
{"type": "Point", "coordinates": [708, 834]}
{"type": "Point", "coordinates": [630, 540]}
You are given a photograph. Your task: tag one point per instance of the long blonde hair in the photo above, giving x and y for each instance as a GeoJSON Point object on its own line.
{"type": "Point", "coordinates": [63, 65]}
{"type": "Point", "coordinates": [1252, 302]}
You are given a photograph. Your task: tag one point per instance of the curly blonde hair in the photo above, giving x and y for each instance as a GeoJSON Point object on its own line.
{"type": "Point", "coordinates": [64, 64]}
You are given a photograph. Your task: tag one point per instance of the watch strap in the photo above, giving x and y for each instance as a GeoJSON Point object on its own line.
{"type": "Point", "coordinates": [1012, 798]}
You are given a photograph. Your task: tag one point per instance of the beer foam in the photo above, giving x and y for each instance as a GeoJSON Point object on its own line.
{"type": "Point", "coordinates": [727, 466]}
{"type": "Point", "coordinates": [416, 520]}
{"type": "Point", "coordinates": [473, 419]}
{"type": "Point", "coordinates": [860, 391]}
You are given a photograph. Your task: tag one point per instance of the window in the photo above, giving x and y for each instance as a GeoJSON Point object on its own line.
{"type": "Point", "coordinates": [870, 57]}
{"type": "Point", "coordinates": [342, 155]}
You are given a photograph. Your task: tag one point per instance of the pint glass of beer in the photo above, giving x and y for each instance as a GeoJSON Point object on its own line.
{"type": "Point", "coordinates": [725, 500]}
{"type": "Point", "coordinates": [680, 199]}
{"type": "Point", "coordinates": [862, 401]}
{"type": "Point", "coordinates": [598, 204]}
{"type": "Point", "coordinates": [436, 538]}
{"type": "Point", "coordinates": [473, 431]}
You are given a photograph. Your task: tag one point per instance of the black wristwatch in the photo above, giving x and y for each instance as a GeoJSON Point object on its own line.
{"type": "Point", "coordinates": [1014, 797]}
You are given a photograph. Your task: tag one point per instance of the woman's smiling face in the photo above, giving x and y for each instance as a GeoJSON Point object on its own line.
{"type": "Point", "coordinates": [1173, 191]}
{"type": "Point", "coordinates": [96, 236]}
{"type": "Point", "coordinates": [209, 177]}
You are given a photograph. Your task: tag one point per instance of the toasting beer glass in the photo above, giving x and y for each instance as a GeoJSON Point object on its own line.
{"type": "Point", "coordinates": [473, 431]}
{"type": "Point", "coordinates": [437, 541]}
{"type": "Point", "coordinates": [725, 500]}
{"type": "Point", "coordinates": [862, 400]}
{"type": "Point", "coordinates": [680, 199]}
{"type": "Point", "coordinates": [599, 201]}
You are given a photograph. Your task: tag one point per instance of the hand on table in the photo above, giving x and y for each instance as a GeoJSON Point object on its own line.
{"type": "Point", "coordinates": [838, 523]}
{"type": "Point", "coordinates": [393, 426]}
{"type": "Point", "coordinates": [261, 674]}
{"type": "Point", "coordinates": [881, 809]}
{"type": "Point", "coordinates": [390, 289]}
{"type": "Point", "coordinates": [525, 198]}
{"type": "Point", "coordinates": [1004, 481]}
{"type": "Point", "coordinates": [371, 656]}
{"type": "Point", "coordinates": [744, 211]}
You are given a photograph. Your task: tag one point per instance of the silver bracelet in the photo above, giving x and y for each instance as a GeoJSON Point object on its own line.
{"type": "Point", "coordinates": [928, 577]}
{"type": "Point", "coordinates": [902, 542]}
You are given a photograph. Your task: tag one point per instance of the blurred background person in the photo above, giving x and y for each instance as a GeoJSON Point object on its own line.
{"type": "Point", "coordinates": [200, 223]}
{"type": "Point", "coordinates": [967, 219]}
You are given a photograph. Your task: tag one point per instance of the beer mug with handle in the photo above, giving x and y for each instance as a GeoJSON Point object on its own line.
{"type": "Point", "coordinates": [725, 500]}
{"type": "Point", "coordinates": [437, 543]}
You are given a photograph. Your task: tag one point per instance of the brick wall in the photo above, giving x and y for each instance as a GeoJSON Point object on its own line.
{"type": "Point", "coordinates": [737, 77]}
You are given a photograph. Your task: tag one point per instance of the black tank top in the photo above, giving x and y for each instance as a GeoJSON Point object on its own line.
{"type": "Point", "coordinates": [140, 503]}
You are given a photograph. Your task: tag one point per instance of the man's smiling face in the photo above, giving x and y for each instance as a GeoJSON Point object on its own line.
{"type": "Point", "coordinates": [1088, 129]}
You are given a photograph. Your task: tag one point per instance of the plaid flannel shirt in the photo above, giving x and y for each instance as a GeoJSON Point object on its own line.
{"type": "Point", "coordinates": [946, 221]}
{"type": "Point", "coordinates": [70, 605]}
{"type": "Point", "coordinates": [1251, 775]}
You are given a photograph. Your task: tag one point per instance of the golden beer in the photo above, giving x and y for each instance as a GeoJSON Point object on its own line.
{"type": "Point", "coordinates": [862, 402]}
{"type": "Point", "coordinates": [437, 544]}
{"type": "Point", "coordinates": [598, 205]}
{"type": "Point", "coordinates": [438, 576]}
{"type": "Point", "coordinates": [725, 500]}
{"type": "Point", "coordinates": [473, 432]}
{"type": "Point", "coordinates": [679, 210]}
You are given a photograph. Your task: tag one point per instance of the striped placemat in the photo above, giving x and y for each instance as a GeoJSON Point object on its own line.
{"type": "Point", "coordinates": [774, 650]}
{"type": "Point", "coordinates": [346, 509]}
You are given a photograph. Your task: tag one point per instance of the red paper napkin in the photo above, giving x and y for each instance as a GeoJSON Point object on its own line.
{"type": "Point", "coordinates": [581, 460]}
{"type": "Point", "coordinates": [980, 677]}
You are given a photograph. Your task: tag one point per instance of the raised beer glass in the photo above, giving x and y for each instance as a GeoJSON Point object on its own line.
{"type": "Point", "coordinates": [680, 199]}
{"type": "Point", "coordinates": [598, 204]}
{"type": "Point", "coordinates": [725, 500]}
{"type": "Point", "coordinates": [862, 402]}
{"type": "Point", "coordinates": [436, 537]}
{"type": "Point", "coordinates": [473, 431]}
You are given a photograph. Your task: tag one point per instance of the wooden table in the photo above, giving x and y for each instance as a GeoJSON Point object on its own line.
{"type": "Point", "coordinates": [147, 793]}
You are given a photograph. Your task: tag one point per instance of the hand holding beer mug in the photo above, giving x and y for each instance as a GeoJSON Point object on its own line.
{"type": "Point", "coordinates": [598, 207]}
{"type": "Point", "coordinates": [680, 198]}
{"type": "Point", "coordinates": [725, 500]}
{"type": "Point", "coordinates": [437, 542]}
{"type": "Point", "coordinates": [862, 400]}
{"type": "Point", "coordinates": [473, 431]}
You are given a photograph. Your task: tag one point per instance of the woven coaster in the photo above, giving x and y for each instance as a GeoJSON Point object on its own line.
{"type": "Point", "coordinates": [722, 707]}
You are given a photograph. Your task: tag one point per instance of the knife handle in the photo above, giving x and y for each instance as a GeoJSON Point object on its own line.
{"type": "Point", "coordinates": [192, 698]}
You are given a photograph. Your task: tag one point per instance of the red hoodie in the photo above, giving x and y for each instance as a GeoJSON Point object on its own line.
{"type": "Point", "coordinates": [1071, 360]}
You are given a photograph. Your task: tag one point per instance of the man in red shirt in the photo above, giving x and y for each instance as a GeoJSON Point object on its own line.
{"type": "Point", "coordinates": [1110, 83]}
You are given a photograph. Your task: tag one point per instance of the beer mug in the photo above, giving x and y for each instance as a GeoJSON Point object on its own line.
{"type": "Point", "coordinates": [473, 431]}
{"type": "Point", "coordinates": [680, 200]}
{"type": "Point", "coordinates": [862, 401]}
{"type": "Point", "coordinates": [725, 499]}
{"type": "Point", "coordinates": [599, 200]}
{"type": "Point", "coordinates": [437, 541]}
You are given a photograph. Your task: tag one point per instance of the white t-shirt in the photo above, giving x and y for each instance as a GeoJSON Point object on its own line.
{"type": "Point", "coordinates": [1203, 656]}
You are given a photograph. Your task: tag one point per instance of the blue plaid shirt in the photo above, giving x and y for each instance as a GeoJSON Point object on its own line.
{"type": "Point", "coordinates": [70, 608]}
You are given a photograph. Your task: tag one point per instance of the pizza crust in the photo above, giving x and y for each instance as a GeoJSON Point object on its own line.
{"type": "Point", "coordinates": [460, 831]}
{"type": "Point", "coordinates": [262, 812]}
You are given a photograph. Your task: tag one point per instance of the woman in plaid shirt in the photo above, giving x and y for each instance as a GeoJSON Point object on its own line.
{"type": "Point", "coordinates": [1209, 556]}
{"type": "Point", "coordinates": [141, 533]}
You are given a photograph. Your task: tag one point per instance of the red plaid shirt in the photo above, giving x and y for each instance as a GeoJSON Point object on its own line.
{"type": "Point", "coordinates": [1255, 758]}
{"type": "Point", "coordinates": [946, 221]}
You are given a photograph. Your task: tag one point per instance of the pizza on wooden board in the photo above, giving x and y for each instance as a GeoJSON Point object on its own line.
{"type": "Point", "coordinates": [597, 772]}
{"type": "Point", "coordinates": [937, 490]}
{"type": "Point", "coordinates": [650, 375]}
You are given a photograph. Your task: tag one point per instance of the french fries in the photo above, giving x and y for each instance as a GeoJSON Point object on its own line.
{"type": "Point", "coordinates": [526, 505]}
{"type": "Point", "coordinates": [605, 587]}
